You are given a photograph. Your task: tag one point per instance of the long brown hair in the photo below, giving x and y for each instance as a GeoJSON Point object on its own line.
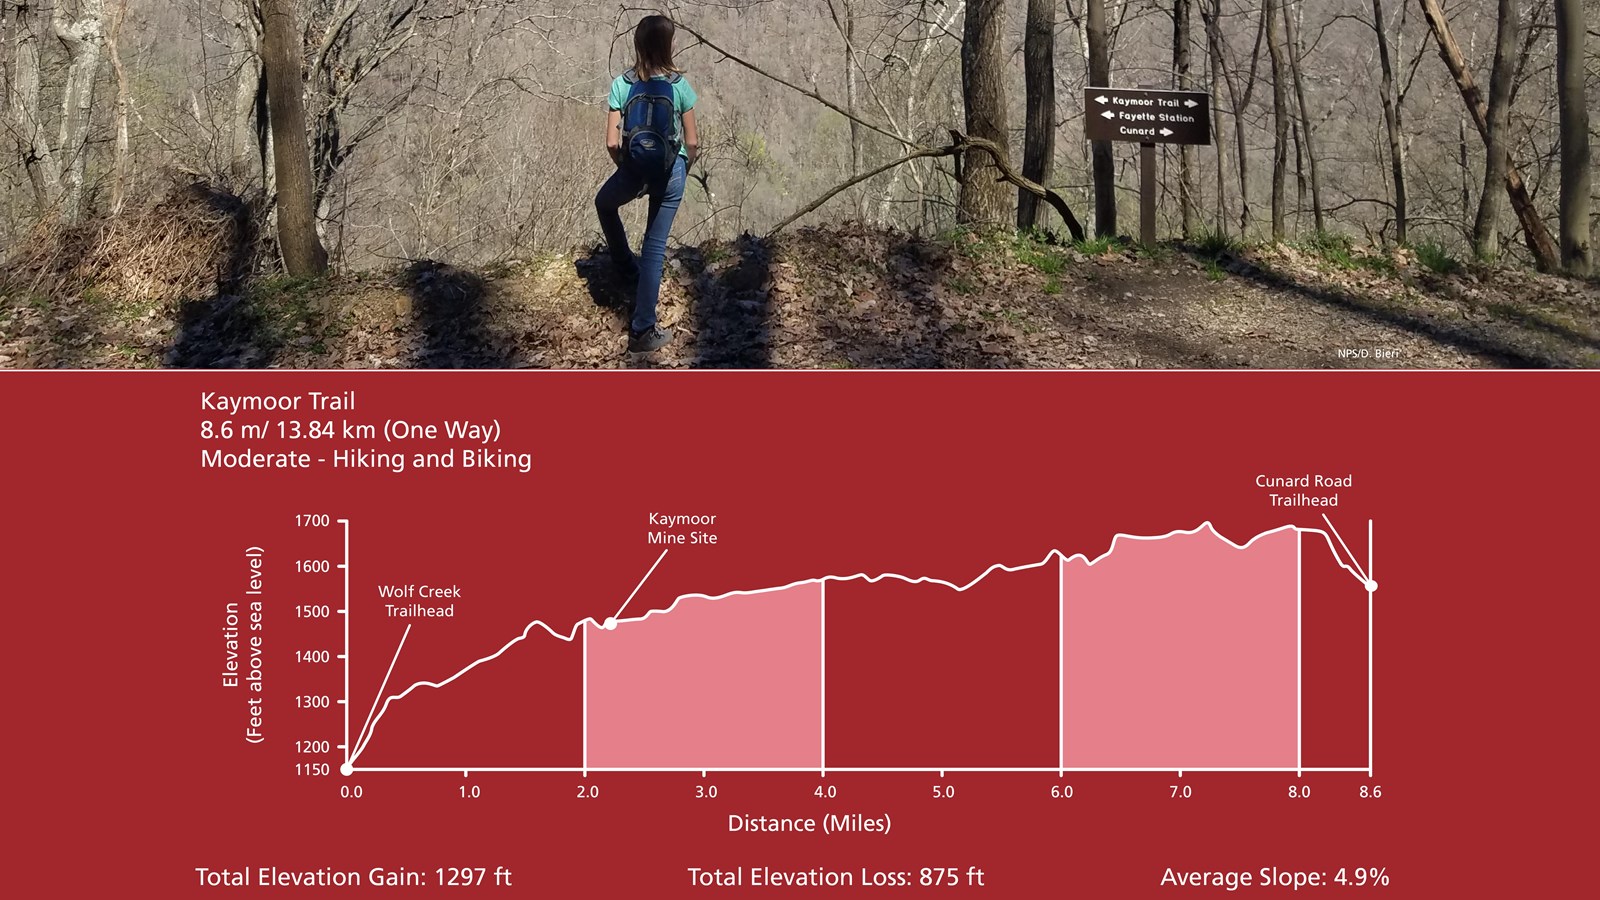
{"type": "Point", "coordinates": [652, 43]}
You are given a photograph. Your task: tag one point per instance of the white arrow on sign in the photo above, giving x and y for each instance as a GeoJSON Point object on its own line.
{"type": "Point", "coordinates": [1108, 114]}
{"type": "Point", "coordinates": [1166, 132]}
{"type": "Point", "coordinates": [1102, 100]}
{"type": "Point", "coordinates": [1190, 103]}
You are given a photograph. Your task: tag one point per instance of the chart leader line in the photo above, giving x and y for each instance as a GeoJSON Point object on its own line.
{"type": "Point", "coordinates": [613, 621]}
{"type": "Point", "coordinates": [361, 738]}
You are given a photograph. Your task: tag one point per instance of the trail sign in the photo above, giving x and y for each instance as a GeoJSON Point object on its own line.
{"type": "Point", "coordinates": [1146, 116]}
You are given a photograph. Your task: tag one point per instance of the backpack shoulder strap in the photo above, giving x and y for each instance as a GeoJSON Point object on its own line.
{"type": "Point", "coordinates": [630, 77]}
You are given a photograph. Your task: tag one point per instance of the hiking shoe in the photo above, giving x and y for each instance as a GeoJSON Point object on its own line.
{"type": "Point", "coordinates": [646, 341]}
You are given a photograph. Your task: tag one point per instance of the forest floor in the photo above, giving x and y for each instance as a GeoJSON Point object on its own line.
{"type": "Point", "coordinates": [856, 297]}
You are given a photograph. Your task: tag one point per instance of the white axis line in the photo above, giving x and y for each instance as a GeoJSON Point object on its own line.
{"type": "Point", "coordinates": [364, 735]}
{"type": "Point", "coordinates": [613, 621]}
{"type": "Point", "coordinates": [812, 770]}
{"type": "Point", "coordinates": [1358, 569]}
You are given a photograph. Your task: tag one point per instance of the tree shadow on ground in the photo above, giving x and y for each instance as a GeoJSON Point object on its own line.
{"type": "Point", "coordinates": [610, 291]}
{"type": "Point", "coordinates": [730, 309]}
{"type": "Point", "coordinates": [1540, 321]}
{"type": "Point", "coordinates": [1495, 348]}
{"type": "Point", "coordinates": [903, 318]}
{"type": "Point", "coordinates": [226, 332]}
{"type": "Point", "coordinates": [607, 289]}
{"type": "Point", "coordinates": [448, 307]}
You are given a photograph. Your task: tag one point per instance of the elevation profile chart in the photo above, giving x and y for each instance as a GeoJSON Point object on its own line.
{"type": "Point", "coordinates": [1181, 651]}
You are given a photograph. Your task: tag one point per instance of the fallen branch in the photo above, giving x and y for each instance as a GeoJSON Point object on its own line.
{"type": "Point", "coordinates": [962, 142]}
{"type": "Point", "coordinates": [959, 144]}
{"type": "Point", "coordinates": [921, 153]}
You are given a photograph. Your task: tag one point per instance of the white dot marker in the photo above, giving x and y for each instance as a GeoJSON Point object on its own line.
{"type": "Point", "coordinates": [1372, 586]}
{"type": "Point", "coordinates": [611, 623]}
{"type": "Point", "coordinates": [346, 770]}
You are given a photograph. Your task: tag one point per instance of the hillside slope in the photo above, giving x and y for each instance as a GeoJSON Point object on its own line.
{"type": "Point", "coordinates": [853, 297]}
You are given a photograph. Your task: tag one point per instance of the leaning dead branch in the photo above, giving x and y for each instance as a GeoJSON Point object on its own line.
{"type": "Point", "coordinates": [959, 144]}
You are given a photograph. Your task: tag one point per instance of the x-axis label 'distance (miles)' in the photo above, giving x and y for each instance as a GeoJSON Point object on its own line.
{"type": "Point", "coordinates": [1147, 116]}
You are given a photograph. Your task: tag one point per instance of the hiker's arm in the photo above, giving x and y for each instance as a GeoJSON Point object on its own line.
{"type": "Point", "coordinates": [614, 134]}
{"type": "Point", "coordinates": [691, 136]}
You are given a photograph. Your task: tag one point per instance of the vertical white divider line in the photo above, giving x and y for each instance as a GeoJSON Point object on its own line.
{"type": "Point", "coordinates": [822, 672]}
{"type": "Point", "coordinates": [1299, 655]}
{"type": "Point", "coordinates": [1371, 584]}
{"type": "Point", "coordinates": [1061, 665]}
{"type": "Point", "coordinates": [584, 625]}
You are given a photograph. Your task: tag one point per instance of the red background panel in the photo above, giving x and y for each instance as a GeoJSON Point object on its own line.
{"type": "Point", "coordinates": [128, 759]}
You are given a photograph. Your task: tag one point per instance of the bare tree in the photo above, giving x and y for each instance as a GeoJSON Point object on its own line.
{"type": "Point", "coordinates": [1039, 130]}
{"type": "Point", "coordinates": [1486, 229]}
{"type": "Point", "coordinates": [1393, 121]}
{"type": "Point", "coordinates": [121, 160]}
{"type": "Point", "coordinates": [844, 17]}
{"type": "Point", "coordinates": [1292, 37]}
{"type": "Point", "coordinates": [1534, 231]}
{"type": "Point", "coordinates": [1181, 20]}
{"type": "Point", "coordinates": [1280, 116]}
{"type": "Point", "coordinates": [57, 170]}
{"type": "Point", "coordinates": [302, 249]}
{"type": "Point", "coordinates": [984, 197]}
{"type": "Point", "coordinates": [33, 144]}
{"type": "Point", "coordinates": [1105, 166]}
{"type": "Point", "coordinates": [1577, 163]}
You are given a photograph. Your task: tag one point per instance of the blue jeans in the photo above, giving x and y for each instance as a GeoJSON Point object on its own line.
{"type": "Point", "coordinates": [666, 192]}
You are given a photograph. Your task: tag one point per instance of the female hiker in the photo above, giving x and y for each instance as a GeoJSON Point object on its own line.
{"type": "Point", "coordinates": [651, 136]}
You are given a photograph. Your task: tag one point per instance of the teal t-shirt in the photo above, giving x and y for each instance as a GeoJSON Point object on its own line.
{"type": "Point", "coordinates": [683, 99]}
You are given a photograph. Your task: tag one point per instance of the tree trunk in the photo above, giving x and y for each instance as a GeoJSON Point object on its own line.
{"type": "Point", "coordinates": [1181, 68]}
{"type": "Point", "coordinates": [984, 198]}
{"type": "Point", "coordinates": [1545, 254]}
{"type": "Point", "coordinates": [297, 219]}
{"type": "Point", "coordinates": [1393, 123]}
{"type": "Point", "coordinates": [84, 39]}
{"type": "Point", "coordinates": [1577, 162]}
{"type": "Point", "coordinates": [121, 160]}
{"type": "Point", "coordinates": [1486, 229]}
{"type": "Point", "coordinates": [1240, 98]}
{"type": "Point", "coordinates": [1214, 59]}
{"type": "Point", "coordinates": [844, 21]}
{"type": "Point", "coordinates": [1039, 130]}
{"type": "Point", "coordinates": [1307, 139]}
{"type": "Point", "coordinates": [251, 148]}
{"type": "Point", "coordinates": [1280, 118]}
{"type": "Point", "coordinates": [33, 145]}
{"type": "Point", "coordinates": [1105, 167]}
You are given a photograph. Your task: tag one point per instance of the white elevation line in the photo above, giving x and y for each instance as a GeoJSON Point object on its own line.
{"type": "Point", "coordinates": [365, 734]}
{"type": "Point", "coordinates": [615, 621]}
{"type": "Point", "coordinates": [1358, 570]}
{"type": "Point", "coordinates": [610, 623]}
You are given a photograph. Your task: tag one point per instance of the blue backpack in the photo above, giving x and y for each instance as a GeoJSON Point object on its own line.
{"type": "Point", "coordinates": [650, 141]}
